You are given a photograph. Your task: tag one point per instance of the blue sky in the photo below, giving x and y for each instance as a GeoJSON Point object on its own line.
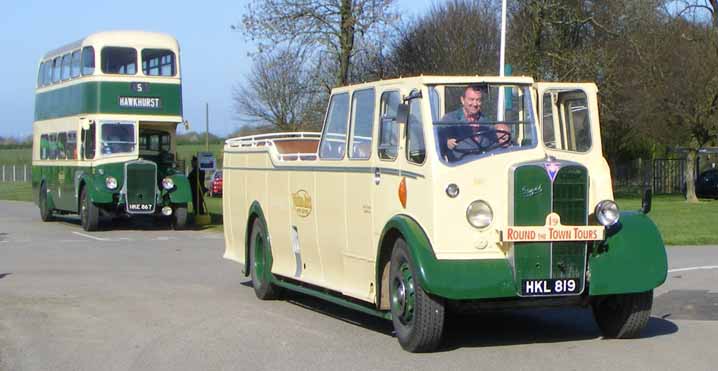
{"type": "Point", "coordinates": [214, 58]}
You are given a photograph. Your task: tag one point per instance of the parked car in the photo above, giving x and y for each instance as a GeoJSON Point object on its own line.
{"type": "Point", "coordinates": [707, 184]}
{"type": "Point", "coordinates": [215, 184]}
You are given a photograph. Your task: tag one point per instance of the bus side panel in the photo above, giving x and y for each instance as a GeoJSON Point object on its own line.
{"type": "Point", "coordinates": [235, 207]}
{"type": "Point", "coordinates": [277, 212]}
{"type": "Point", "coordinates": [303, 217]}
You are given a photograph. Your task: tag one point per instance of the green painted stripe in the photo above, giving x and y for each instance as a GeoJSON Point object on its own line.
{"type": "Point", "coordinates": [104, 97]}
{"type": "Point", "coordinates": [331, 298]}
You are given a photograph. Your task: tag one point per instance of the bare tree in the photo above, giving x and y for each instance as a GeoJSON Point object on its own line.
{"type": "Point", "coordinates": [456, 37]}
{"type": "Point", "coordinates": [317, 27]}
{"type": "Point", "coordinates": [279, 91]}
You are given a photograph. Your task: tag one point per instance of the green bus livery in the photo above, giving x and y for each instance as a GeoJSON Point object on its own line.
{"type": "Point", "coordinates": [106, 112]}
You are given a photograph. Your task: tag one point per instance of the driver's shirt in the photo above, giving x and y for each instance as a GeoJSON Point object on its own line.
{"type": "Point", "coordinates": [462, 131]}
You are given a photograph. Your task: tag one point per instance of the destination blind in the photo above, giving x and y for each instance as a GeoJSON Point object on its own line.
{"type": "Point", "coordinates": [153, 103]}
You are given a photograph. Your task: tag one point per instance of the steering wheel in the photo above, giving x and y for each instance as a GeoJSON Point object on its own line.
{"type": "Point", "coordinates": [500, 138]}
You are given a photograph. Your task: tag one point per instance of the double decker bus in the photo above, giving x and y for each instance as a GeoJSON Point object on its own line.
{"type": "Point", "coordinates": [106, 112]}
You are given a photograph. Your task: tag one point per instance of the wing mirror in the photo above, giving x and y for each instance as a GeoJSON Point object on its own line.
{"type": "Point", "coordinates": [646, 202]}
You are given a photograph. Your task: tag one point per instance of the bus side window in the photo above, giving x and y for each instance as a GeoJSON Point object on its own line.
{"type": "Point", "coordinates": [56, 69]}
{"type": "Point", "coordinates": [61, 143]}
{"type": "Point", "coordinates": [66, 62]}
{"type": "Point", "coordinates": [88, 60]}
{"type": "Point", "coordinates": [88, 142]}
{"type": "Point", "coordinates": [52, 147]}
{"type": "Point", "coordinates": [416, 149]}
{"type": "Point", "coordinates": [388, 129]}
{"type": "Point", "coordinates": [44, 147]}
{"type": "Point", "coordinates": [71, 146]}
{"type": "Point", "coordinates": [362, 123]}
{"type": "Point", "coordinates": [75, 69]}
{"type": "Point", "coordinates": [40, 75]}
{"type": "Point", "coordinates": [47, 80]}
{"type": "Point", "coordinates": [335, 130]}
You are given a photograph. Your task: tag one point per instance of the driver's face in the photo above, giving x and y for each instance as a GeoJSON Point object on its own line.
{"type": "Point", "coordinates": [471, 100]}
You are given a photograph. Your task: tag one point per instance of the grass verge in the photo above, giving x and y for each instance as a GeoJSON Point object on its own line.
{"type": "Point", "coordinates": [16, 191]}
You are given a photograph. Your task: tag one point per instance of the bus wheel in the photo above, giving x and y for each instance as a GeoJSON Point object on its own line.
{"type": "Point", "coordinates": [179, 217]}
{"type": "Point", "coordinates": [260, 262]}
{"type": "Point", "coordinates": [623, 316]}
{"type": "Point", "coordinates": [89, 213]}
{"type": "Point", "coordinates": [45, 211]}
{"type": "Point", "coordinates": [417, 316]}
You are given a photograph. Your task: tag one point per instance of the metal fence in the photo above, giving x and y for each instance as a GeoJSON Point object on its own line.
{"type": "Point", "coordinates": [662, 176]}
{"type": "Point", "coordinates": [15, 173]}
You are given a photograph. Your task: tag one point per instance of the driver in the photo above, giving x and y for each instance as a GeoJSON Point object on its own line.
{"type": "Point", "coordinates": [469, 112]}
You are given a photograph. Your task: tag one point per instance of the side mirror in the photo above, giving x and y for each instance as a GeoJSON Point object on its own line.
{"type": "Point", "coordinates": [646, 202]}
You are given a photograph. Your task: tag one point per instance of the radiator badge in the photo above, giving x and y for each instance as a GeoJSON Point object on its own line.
{"type": "Point", "coordinates": [527, 192]}
{"type": "Point", "coordinates": [552, 169]}
{"type": "Point", "coordinates": [302, 203]}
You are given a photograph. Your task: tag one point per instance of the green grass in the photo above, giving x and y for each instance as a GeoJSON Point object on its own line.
{"type": "Point", "coordinates": [680, 223]}
{"type": "Point", "coordinates": [16, 191]}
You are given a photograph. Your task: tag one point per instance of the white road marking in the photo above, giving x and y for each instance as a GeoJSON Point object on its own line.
{"type": "Point", "coordinates": [91, 237]}
{"type": "Point", "coordinates": [704, 267]}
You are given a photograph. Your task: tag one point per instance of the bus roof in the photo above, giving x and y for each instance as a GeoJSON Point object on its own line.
{"type": "Point", "coordinates": [119, 38]}
{"type": "Point", "coordinates": [440, 80]}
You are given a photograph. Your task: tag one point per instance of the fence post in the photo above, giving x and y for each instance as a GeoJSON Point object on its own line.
{"type": "Point", "coordinates": [3, 172]}
{"type": "Point", "coordinates": [13, 174]}
{"type": "Point", "coordinates": [24, 176]}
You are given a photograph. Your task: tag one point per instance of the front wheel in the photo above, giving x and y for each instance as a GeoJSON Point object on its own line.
{"type": "Point", "coordinates": [418, 317]}
{"type": "Point", "coordinates": [179, 217]}
{"type": "Point", "coordinates": [260, 262]}
{"type": "Point", "coordinates": [45, 211]}
{"type": "Point", "coordinates": [623, 316]}
{"type": "Point", "coordinates": [89, 213]}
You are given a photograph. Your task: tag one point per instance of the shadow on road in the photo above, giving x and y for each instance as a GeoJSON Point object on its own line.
{"type": "Point", "coordinates": [499, 328]}
{"type": "Point", "coordinates": [137, 222]}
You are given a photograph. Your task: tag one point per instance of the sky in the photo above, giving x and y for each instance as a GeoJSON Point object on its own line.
{"type": "Point", "coordinates": [214, 58]}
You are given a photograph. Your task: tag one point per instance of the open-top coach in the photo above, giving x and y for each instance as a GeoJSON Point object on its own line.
{"type": "Point", "coordinates": [106, 112]}
{"type": "Point", "coordinates": [428, 193]}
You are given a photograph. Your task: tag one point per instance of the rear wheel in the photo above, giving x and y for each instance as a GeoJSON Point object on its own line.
{"type": "Point", "coordinates": [260, 262]}
{"type": "Point", "coordinates": [418, 317]}
{"type": "Point", "coordinates": [179, 217]}
{"type": "Point", "coordinates": [89, 213]}
{"type": "Point", "coordinates": [623, 316]}
{"type": "Point", "coordinates": [45, 211]}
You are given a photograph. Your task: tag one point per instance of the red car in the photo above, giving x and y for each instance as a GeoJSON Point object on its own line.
{"type": "Point", "coordinates": [215, 184]}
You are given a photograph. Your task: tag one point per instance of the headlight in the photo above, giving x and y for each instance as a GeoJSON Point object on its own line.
{"type": "Point", "coordinates": [168, 183]}
{"type": "Point", "coordinates": [607, 213]}
{"type": "Point", "coordinates": [111, 182]}
{"type": "Point", "coordinates": [479, 214]}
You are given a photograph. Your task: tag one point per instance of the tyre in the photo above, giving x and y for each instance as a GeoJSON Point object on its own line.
{"type": "Point", "coordinates": [45, 211]}
{"type": "Point", "coordinates": [418, 317]}
{"type": "Point", "coordinates": [260, 262]}
{"type": "Point", "coordinates": [623, 316]}
{"type": "Point", "coordinates": [179, 217]}
{"type": "Point", "coordinates": [89, 213]}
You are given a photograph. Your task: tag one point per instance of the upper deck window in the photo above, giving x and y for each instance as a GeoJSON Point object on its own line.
{"type": "Point", "coordinates": [41, 75]}
{"type": "Point", "coordinates": [121, 61]}
{"type": "Point", "coordinates": [158, 62]}
{"type": "Point", "coordinates": [47, 80]}
{"type": "Point", "coordinates": [75, 70]}
{"type": "Point", "coordinates": [117, 137]}
{"type": "Point", "coordinates": [483, 119]}
{"type": "Point", "coordinates": [66, 62]}
{"type": "Point", "coordinates": [334, 137]}
{"type": "Point", "coordinates": [88, 60]}
{"type": "Point", "coordinates": [56, 68]}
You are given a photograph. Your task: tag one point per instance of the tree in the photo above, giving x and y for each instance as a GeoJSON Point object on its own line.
{"type": "Point", "coordinates": [320, 28]}
{"type": "Point", "coordinates": [281, 92]}
{"type": "Point", "coordinates": [459, 37]}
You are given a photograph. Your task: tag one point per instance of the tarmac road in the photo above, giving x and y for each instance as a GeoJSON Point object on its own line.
{"type": "Point", "coordinates": [148, 298]}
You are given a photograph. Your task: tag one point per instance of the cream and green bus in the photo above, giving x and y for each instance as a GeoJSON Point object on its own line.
{"type": "Point", "coordinates": [106, 112]}
{"type": "Point", "coordinates": [413, 201]}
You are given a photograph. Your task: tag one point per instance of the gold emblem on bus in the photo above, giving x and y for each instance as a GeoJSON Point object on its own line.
{"type": "Point", "coordinates": [302, 203]}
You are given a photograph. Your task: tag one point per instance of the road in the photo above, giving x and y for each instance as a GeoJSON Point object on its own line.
{"type": "Point", "coordinates": [147, 298]}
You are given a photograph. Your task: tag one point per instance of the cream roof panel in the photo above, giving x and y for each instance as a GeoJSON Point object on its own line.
{"type": "Point", "coordinates": [140, 39]}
